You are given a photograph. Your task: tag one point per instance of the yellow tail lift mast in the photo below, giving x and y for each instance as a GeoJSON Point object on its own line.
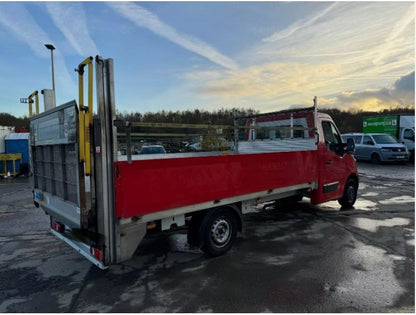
{"type": "Point", "coordinates": [85, 114]}
{"type": "Point", "coordinates": [30, 101]}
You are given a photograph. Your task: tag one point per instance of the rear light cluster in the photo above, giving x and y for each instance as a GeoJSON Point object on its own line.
{"type": "Point", "coordinates": [97, 253]}
{"type": "Point", "coordinates": [94, 251]}
{"type": "Point", "coordinates": [58, 227]}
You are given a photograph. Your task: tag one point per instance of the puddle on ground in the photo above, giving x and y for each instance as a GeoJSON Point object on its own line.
{"type": "Point", "coordinates": [410, 236]}
{"type": "Point", "coordinates": [360, 204]}
{"type": "Point", "coordinates": [398, 200]}
{"type": "Point", "coordinates": [366, 287]}
{"type": "Point", "coordinates": [370, 194]}
{"type": "Point", "coordinates": [362, 186]}
{"type": "Point", "coordinates": [372, 225]}
{"type": "Point", "coordinates": [179, 243]}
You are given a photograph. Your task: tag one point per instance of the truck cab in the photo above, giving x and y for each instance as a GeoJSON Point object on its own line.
{"type": "Point", "coordinates": [338, 171]}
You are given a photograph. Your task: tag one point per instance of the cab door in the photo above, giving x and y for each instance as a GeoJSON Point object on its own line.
{"type": "Point", "coordinates": [332, 165]}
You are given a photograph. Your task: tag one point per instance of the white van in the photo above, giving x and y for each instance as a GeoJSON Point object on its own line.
{"type": "Point", "coordinates": [377, 147]}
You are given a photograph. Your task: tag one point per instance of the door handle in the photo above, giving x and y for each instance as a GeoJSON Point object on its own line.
{"type": "Point", "coordinates": [329, 162]}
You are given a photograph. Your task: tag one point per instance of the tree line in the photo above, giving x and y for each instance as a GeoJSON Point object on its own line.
{"type": "Point", "coordinates": [347, 121]}
{"type": "Point", "coordinates": [12, 121]}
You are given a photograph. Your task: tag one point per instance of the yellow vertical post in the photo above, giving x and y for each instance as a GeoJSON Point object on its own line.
{"type": "Point", "coordinates": [30, 101]}
{"type": "Point", "coordinates": [86, 113]}
{"type": "Point", "coordinates": [37, 103]}
{"type": "Point", "coordinates": [81, 115]}
{"type": "Point", "coordinates": [90, 90]}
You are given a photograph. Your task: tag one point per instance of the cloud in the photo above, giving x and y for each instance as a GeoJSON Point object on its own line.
{"type": "Point", "coordinates": [17, 19]}
{"type": "Point", "coordinates": [144, 18]}
{"type": "Point", "coordinates": [401, 94]}
{"type": "Point", "coordinates": [275, 86]}
{"type": "Point", "coordinates": [362, 34]}
{"type": "Point", "coordinates": [74, 30]}
{"type": "Point", "coordinates": [406, 83]}
{"type": "Point", "coordinates": [348, 54]}
{"type": "Point", "coordinates": [269, 86]}
{"type": "Point", "coordinates": [299, 25]}
{"type": "Point", "coordinates": [23, 26]}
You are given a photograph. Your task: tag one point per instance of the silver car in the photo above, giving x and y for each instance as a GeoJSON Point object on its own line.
{"type": "Point", "coordinates": [152, 149]}
{"type": "Point", "coordinates": [377, 147]}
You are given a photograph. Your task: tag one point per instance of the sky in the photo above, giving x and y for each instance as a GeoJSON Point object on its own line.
{"type": "Point", "coordinates": [211, 55]}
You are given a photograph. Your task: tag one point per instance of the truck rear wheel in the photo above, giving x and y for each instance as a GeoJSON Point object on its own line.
{"type": "Point", "coordinates": [220, 232]}
{"type": "Point", "coordinates": [350, 194]}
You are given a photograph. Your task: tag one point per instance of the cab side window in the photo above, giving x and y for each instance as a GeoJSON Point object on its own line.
{"type": "Point", "coordinates": [330, 133]}
{"type": "Point", "coordinates": [332, 137]}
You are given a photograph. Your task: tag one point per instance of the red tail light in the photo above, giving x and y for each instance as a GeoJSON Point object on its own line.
{"type": "Point", "coordinates": [97, 253]}
{"type": "Point", "coordinates": [58, 227]}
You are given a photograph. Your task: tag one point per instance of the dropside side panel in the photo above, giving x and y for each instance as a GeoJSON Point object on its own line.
{"type": "Point", "coordinates": [146, 186]}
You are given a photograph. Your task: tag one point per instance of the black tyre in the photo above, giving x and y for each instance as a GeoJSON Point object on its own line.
{"type": "Point", "coordinates": [220, 232]}
{"type": "Point", "coordinates": [350, 194]}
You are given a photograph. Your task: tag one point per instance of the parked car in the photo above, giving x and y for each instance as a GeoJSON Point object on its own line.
{"type": "Point", "coordinates": [377, 147]}
{"type": "Point", "coordinates": [194, 147]}
{"type": "Point", "coordinates": [152, 149]}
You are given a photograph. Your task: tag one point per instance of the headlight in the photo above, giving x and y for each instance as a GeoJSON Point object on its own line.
{"type": "Point", "coordinates": [385, 149]}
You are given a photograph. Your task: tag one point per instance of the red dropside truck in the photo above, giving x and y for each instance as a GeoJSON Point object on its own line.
{"type": "Point", "coordinates": [103, 203]}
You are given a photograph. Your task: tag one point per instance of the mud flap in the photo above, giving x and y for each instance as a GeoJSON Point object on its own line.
{"type": "Point", "coordinates": [129, 237]}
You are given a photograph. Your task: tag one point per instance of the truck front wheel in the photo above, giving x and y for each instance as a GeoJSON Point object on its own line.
{"type": "Point", "coordinates": [220, 232]}
{"type": "Point", "coordinates": [350, 194]}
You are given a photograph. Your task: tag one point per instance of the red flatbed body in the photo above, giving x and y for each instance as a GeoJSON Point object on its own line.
{"type": "Point", "coordinates": [146, 186]}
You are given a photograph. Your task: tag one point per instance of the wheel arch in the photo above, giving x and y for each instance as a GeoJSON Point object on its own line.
{"type": "Point", "coordinates": [378, 154]}
{"type": "Point", "coordinates": [353, 176]}
{"type": "Point", "coordinates": [343, 201]}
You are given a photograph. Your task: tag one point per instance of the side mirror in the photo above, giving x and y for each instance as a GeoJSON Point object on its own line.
{"type": "Point", "coordinates": [350, 146]}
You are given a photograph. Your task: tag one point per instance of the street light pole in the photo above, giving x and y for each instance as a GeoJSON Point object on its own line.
{"type": "Point", "coordinates": [52, 48]}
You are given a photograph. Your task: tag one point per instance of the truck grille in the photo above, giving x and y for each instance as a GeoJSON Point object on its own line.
{"type": "Point", "coordinates": [394, 149]}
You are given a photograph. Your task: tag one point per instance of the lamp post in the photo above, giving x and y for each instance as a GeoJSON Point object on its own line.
{"type": "Point", "coordinates": [52, 48]}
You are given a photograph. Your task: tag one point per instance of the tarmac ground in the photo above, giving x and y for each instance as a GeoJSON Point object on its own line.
{"type": "Point", "coordinates": [303, 259]}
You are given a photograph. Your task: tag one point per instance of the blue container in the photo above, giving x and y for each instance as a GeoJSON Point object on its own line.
{"type": "Point", "coordinates": [18, 143]}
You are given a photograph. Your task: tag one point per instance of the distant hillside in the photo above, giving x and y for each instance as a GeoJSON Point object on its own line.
{"type": "Point", "coordinates": [10, 120]}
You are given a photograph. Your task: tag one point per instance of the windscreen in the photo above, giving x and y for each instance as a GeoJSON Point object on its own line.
{"type": "Point", "coordinates": [384, 139]}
